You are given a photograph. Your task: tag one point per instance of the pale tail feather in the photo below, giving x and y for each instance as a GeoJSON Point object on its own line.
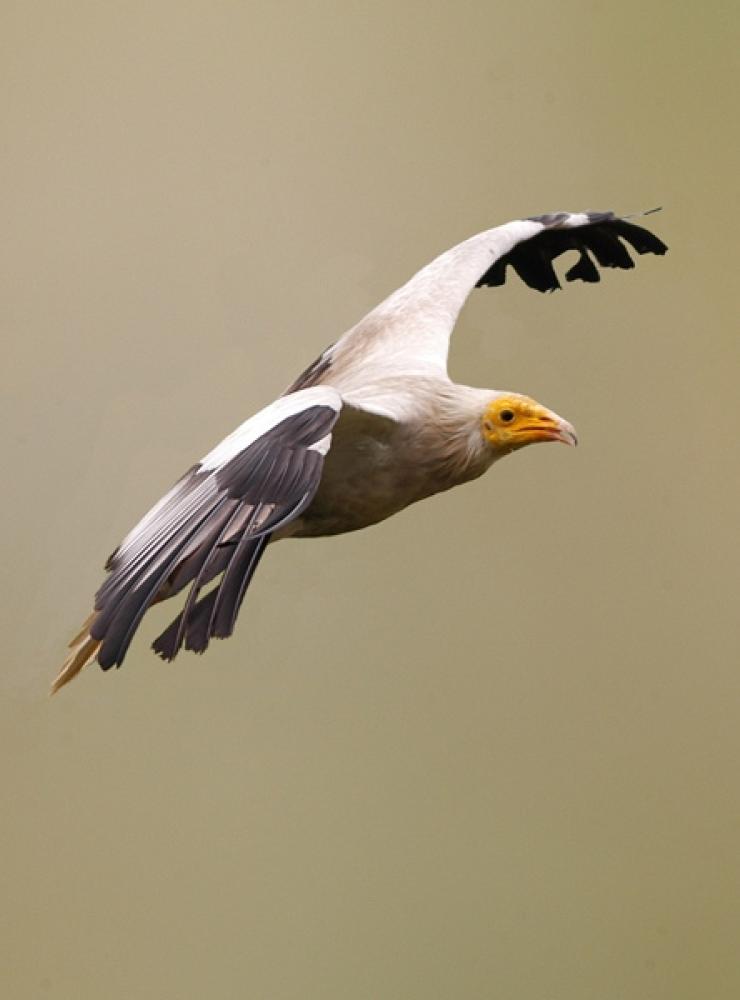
{"type": "Point", "coordinates": [82, 650]}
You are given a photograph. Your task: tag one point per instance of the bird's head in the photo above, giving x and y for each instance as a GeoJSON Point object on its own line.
{"type": "Point", "coordinates": [511, 421]}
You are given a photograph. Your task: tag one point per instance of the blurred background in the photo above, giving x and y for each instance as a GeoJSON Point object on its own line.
{"type": "Point", "coordinates": [490, 747]}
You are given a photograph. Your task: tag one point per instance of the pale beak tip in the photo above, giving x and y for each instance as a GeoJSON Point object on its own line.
{"type": "Point", "coordinates": [568, 434]}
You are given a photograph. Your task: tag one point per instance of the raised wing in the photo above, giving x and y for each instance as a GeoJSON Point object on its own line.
{"type": "Point", "coordinates": [216, 520]}
{"type": "Point", "coordinates": [409, 333]}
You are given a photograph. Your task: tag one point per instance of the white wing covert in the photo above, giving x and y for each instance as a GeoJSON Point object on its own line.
{"type": "Point", "coordinates": [217, 519]}
{"type": "Point", "coordinates": [215, 523]}
{"type": "Point", "coordinates": [409, 332]}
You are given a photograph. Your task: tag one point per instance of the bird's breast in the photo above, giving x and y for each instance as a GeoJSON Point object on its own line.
{"type": "Point", "coordinates": [371, 476]}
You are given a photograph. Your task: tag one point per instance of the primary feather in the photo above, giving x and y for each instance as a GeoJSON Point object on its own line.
{"type": "Point", "coordinates": [374, 424]}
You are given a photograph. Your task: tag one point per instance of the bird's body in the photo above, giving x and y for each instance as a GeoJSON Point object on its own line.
{"type": "Point", "coordinates": [437, 446]}
{"type": "Point", "coordinates": [373, 425]}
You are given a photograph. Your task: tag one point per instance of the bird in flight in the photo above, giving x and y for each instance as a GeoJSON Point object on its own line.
{"type": "Point", "coordinates": [373, 425]}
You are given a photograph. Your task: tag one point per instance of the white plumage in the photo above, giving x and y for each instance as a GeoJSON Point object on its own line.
{"type": "Point", "coordinates": [258, 425]}
{"type": "Point", "coordinates": [374, 424]}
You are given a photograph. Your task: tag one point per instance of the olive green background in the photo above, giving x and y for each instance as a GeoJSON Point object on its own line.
{"type": "Point", "coordinates": [491, 747]}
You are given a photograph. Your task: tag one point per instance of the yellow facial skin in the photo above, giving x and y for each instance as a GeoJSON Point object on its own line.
{"type": "Point", "coordinates": [512, 421]}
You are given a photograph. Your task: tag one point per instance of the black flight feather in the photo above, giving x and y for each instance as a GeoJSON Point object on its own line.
{"type": "Point", "coordinates": [602, 236]}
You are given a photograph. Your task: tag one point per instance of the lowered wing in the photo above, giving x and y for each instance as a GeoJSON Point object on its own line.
{"type": "Point", "coordinates": [216, 521]}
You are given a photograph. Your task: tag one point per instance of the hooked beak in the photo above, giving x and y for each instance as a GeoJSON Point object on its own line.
{"type": "Point", "coordinates": [544, 425]}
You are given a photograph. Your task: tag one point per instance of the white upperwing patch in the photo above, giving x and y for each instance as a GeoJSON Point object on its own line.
{"type": "Point", "coordinates": [265, 420]}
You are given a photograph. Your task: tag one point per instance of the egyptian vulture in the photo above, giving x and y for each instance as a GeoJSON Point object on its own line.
{"type": "Point", "coordinates": [373, 425]}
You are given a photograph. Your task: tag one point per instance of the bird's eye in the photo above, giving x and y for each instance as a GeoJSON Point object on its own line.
{"type": "Point", "coordinates": [506, 416]}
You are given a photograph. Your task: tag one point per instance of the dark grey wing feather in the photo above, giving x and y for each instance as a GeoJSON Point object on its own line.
{"type": "Point", "coordinates": [204, 567]}
{"type": "Point", "coordinates": [236, 579]}
{"type": "Point", "coordinates": [217, 520]}
{"type": "Point", "coordinates": [314, 374]}
{"type": "Point", "coordinates": [117, 620]}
